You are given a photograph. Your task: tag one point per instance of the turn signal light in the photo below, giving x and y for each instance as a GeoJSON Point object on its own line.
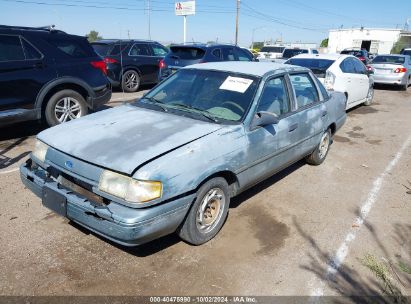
{"type": "Point", "coordinates": [400, 70]}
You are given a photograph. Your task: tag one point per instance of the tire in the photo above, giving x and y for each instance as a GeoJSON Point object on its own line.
{"type": "Point", "coordinates": [130, 82]}
{"type": "Point", "coordinates": [320, 153]}
{"type": "Point", "coordinates": [405, 86]}
{"type": "Point", "coordinates": [214, 193]}
{"type": "Point", "coordinates": [64, 106]}
{"type": "Point", "coordinates": [370, 96]}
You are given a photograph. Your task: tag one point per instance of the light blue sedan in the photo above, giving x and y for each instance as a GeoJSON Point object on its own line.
{"type": "Point", "coordinates": [172, 161]}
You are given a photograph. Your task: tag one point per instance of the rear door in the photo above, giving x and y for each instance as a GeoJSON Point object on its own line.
{"type": "Point", "coordinates": [141, 56]}
{"type": "Point", "coordinates": [347, 79]}
{"type": "Point", "coordinates": [363, 81]}
{"type": "Point", "coordinates": [23, 72]}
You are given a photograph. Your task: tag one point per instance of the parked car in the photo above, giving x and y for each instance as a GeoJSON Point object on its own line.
{"type": "Point", "coordinates": [406, 51]}
{"type": "Point", "coordinates": [291, 52]}
{"type": "Point", "coordinates": [199, 138]}
{"type": "Point", "coordinates": [392, 69]}
{"type": "Point", "coordinates": [131, 63]}
{"type": "Point", "coordinates": [359, 53]}
{"type": "Point", "coordinates": [269, 52]}
{"type": "Point", "coordinates": [342, 73]}
{"type": "Point", "coordinates": [182, 55]}
{"type": "Point", "coordinates": [48, 74]}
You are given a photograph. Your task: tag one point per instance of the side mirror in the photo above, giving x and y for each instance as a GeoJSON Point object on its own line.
{"type": "Point", "coordinates": [263, 119]}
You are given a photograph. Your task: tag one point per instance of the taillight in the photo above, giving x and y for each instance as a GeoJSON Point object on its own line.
{"type": "Point", "coordinates": [101, 65]}
{"type": "Point", "coordinates": [110, 60]}
{"type": "Point", "coordinates": [162, 65]}
{"type": "Point", "coordinates": [361, 58]}
{"type": "Point", "coordinates": [400, 70]}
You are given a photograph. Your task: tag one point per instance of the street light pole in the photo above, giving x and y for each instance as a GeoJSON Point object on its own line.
{"type": "Point", "coordinates": [236, 22]}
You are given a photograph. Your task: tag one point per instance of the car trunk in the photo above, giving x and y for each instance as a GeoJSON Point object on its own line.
{"type": "Point", "coordinates": [182, 56]}
{"type": "Point", "coordinates": [384, 68]}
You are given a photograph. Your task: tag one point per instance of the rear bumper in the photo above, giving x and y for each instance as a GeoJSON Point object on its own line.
{"type": "Point", "coordinates": [390, 79]}
{"type": "Point", "coordinates": [118, 223]}
{"type": "Point", "coordinates": [101, 97]}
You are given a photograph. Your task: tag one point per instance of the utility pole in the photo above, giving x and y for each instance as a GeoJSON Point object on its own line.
{"type": "Point", "coordinates": [149, 19]}
{"type": "Point", "coordinates": [236, 22]}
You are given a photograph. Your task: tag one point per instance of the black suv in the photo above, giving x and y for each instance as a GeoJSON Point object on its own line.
{"type": "Point", "coordinates": [182, 55]}
{"type": "Point", "coordinates": [48, 74]}
{"type": "Point", "coordinates": [131, 63]}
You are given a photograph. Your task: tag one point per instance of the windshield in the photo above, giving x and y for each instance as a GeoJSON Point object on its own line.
{"type": "Point", "coordinates": [406, 52]}
{"type": "Point", "coordinates": [272, 49]}
{"type": "Point", "coordinates": [220, 95]}
{"type": "Point", "coordinates": [101, 49]}
{"type": "Point", "coordinates": [288, 53]}
{"type": "Point", "coordinates": [318, 66]}
{"type": "Point", "coordinates": [389, 59]}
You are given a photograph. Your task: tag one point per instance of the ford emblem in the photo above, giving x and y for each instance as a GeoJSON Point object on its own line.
{"type": "Point", "coordinates": [69, 164]}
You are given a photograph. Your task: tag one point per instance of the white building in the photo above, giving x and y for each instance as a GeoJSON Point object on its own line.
{"type": "Point", "coordinates": [375, 40]}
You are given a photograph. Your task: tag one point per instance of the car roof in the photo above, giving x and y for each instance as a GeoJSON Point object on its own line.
{"type": "Point", "coordinates": [393, 55]}
{"type": "Point", "coordinates": [322, 56]}
{"type": "Point", "coordinates": [201, 45]}
{"type": "Point", "coordinates": [259, 69]}
{"type": "Point", "coordinates": [111, 41]}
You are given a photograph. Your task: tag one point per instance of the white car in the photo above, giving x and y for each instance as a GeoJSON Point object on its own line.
{"type": "Point", "coordinates": [342, 73]}
{"type": "Point", "coordinates": [270, 52]}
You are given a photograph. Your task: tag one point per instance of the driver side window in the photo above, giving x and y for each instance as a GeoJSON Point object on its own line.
{"type": "Point", "coordinates": [274, 98]}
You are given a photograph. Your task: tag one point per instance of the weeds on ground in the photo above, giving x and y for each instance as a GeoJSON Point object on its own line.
{"type": "Point", "coordinates": [382, 272]}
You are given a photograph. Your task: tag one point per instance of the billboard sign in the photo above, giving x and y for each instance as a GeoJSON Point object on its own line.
{"type": "Point", "coordinates": [185, 8]}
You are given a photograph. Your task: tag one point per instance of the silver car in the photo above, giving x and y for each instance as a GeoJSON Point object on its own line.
{"type": "Point", "coordinates": [392, 69]}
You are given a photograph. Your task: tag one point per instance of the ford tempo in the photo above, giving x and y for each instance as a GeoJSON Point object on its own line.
{"type": "Point", "coordinates": [171, 161]}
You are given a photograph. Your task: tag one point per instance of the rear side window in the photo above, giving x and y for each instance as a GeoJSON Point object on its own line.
{"type": "Point", "coordinates": [11, 48]}
{"type": "Point", "coordinates": [101, 48]}
{"type": "Point", "coordinates": [315, 52]}
{"type": "Point", "coordinates": [359, 66]}
{"type": "Point", "coordinates": [305, 90]}
{"type": "Point", "coordinates": [140, 50]}
{"type": "Point", "coordinates": [347, 66]}
{"type": "Point", "coordinates": [73, 47]}
{"type": "Point", "coordinates": [118, 48]}
{"type": "Point", "coordinates": [188, 53]}
{"type": "Point", "coordinates": [159, 50]}
{"type": "Point", "coordinates": [228, 54]}
{"type": "Point", "coordinates": [30, 51]}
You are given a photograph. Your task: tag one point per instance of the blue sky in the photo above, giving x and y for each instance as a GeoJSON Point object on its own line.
{"type": "Point", "coordinates": [294, 20]}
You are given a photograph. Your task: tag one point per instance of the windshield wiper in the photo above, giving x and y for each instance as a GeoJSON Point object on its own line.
{"type": "Point", "coordinates": [157, 102]}
{"type": "Point", "coordinates": [202, 112]}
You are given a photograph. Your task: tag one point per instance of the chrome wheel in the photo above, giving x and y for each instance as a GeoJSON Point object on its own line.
{"type": "Point", "coordinates": [324, 145]}
{"type": "Point", "coordinates": [131, 80]}
{"type": "Point", "coordinates": [67, 109]}
{"type": "Point", "coordinates": [210, 210]}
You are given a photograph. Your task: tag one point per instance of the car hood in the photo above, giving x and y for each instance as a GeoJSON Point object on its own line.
{"type": "Point", "coordinates": [124, 138]}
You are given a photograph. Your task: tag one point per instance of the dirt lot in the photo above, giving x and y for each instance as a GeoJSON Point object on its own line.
{"type": "Point", "coordinates": [306, 231]}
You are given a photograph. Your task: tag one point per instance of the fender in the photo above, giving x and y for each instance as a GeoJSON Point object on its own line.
{"type": "Point", "coordinates": [62, 80]}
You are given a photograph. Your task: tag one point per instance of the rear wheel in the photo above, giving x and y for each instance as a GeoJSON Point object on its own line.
{"type": "Point", "coordinates": [320, 153]}
{"type": "Point", "coordinates": [130, 81]}
{"type": "Point", "coordinates": [64, 106]}
{"type": "Point", "coordinates": [208, 213]}
{"type": "Point", "coordinates": [405, 86]}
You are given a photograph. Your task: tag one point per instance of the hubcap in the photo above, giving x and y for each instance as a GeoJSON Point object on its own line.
{"type": "Point", "coordinates": [67, 109]}
{"type": "Point", "coordinates": [324, 144]}
{"type": "Point", "coordinates": [210, 211]}
{"type": "Point", "coordinates": [131, 80]}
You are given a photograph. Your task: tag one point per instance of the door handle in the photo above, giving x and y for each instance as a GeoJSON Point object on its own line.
{"type": "Point", "coordinates": [325, 113]}
{"type": "Point", "coordinates": [293, 127]}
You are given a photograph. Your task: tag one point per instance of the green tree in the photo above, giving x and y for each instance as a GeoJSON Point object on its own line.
{"type": "Point", "coordinates": [258, 46]}
{"type": "Point", "coordinates": [93, 36]}
{"type": "Point", "coordinates": [402, 43]}
{"type": "Point", "coordinates": [324, 43]}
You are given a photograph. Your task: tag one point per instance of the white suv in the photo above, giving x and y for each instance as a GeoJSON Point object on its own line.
{"type": "Point", "coordinates": [343, 73]}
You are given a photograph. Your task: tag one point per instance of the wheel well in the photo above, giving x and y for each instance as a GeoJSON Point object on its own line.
{"type": "Point", "coordinates": [333, 128]}
{"type": "Point", "coordinates": [64, 86]}
{"type": "Point", "coordinates": [130, 69]}
{"type": "Point", "coordinates": [229, 176]}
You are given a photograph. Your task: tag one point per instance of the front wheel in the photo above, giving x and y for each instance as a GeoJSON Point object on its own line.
{"type": "Point", "coordinates": [370, 96]}
{"type": "Point", "coordinates": [208, 212]}
{"type": "Point", "coordinates": [320, 153]}
{"type": "Point", "coordinates": [64, 106]}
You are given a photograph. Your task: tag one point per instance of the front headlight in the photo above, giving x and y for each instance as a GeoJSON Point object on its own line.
{"type": "Point", "coordinates": [40, 150]}
{"type": "Point", "coordinates": [129, 189]}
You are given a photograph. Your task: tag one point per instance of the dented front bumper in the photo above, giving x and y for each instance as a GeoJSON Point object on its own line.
{"type": "Point", "coordinates": [118, 223]}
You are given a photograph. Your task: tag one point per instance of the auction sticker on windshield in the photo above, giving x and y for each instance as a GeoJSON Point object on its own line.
{"type": "Point", "coordinates": [236, 84]}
